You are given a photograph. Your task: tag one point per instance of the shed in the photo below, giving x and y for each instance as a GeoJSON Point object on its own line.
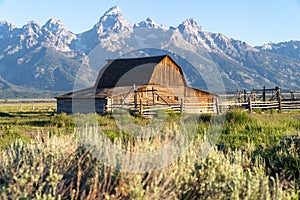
{"type": "Point", "coordinates": [130, 82]}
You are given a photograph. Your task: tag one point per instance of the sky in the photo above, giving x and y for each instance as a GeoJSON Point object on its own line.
{"type": "Point", "coordinates": [255, 22]}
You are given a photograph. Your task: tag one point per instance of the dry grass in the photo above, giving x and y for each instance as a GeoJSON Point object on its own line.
{"type": "Point", "coordinates": [256, 158]}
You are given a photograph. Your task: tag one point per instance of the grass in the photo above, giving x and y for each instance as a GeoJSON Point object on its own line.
{"type": "Point", "coordinates": [256, 156]}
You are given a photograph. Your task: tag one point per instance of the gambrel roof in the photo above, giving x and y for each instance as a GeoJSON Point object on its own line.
{"type": "Point", "coordinates": [129, 71]}
{"type": "Point", "coordinates": [119, 76]}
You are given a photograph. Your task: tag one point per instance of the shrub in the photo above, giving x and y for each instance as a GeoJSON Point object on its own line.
{"type": "Point", "coordinates": [9, 134]}
{"type": "Point", "coordinates": [237, 117]}
{"type": "Point", "coordinates": [62, 168]}
{"type": "Point", "coordinates": [64, 122]}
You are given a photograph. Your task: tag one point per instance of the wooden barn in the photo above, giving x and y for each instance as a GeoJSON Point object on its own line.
{"type": "Point", "coordinates": [134, 83]}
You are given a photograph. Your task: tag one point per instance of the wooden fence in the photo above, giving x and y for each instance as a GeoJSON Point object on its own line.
{"type": "Point", "coordinates": [257, 99]}
{"type": "Point", "coordinates": [33, 103]}
{"type": "Point", "coordinates": [200, 107]}
{"type": "Point", "coordinates": [149, 111]}
{"type": "Point", "coordinates": [280, 105]}
{"type": "Point", "coordinates": [145, 110]}
{"type": "Point", "coordinates": [18, 101]}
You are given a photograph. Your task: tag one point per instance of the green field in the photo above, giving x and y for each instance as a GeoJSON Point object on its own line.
{"type": "Point", "coordinates": [256, 156]}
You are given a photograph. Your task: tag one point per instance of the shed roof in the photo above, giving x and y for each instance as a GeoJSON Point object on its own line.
{"type": "Point", "coordinates": [91, 93]}
{"type": "Point", "coordinates": [128, 71]}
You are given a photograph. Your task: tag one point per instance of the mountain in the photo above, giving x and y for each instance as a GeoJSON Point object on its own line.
{"type": "Point", "coordinates": [147, 23]}
{"type": "Point", "coordinates": [39, 57]}
{"type": "Point", "coordinates": [290, 49]}
{"type": "Point", "coordinates": [50, 57]}
{"type": "Point", "coordinates": [109, 32]}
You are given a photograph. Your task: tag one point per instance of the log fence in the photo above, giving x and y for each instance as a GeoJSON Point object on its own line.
{"type": "Point", "coordinates": [257, 99]}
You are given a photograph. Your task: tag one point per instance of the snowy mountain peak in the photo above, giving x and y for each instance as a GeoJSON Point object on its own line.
{"type": "Point", "coordinates": [3, 23]}
{"type": "Point", "coordinates": [190, 26]}
{"type": "Point", "coordinates": [268, 46]}
{"type": "Point", "coordinates": [31, 24]}
{"type": "Point", "coordinates": [192, 23]}
{"type": "Point", "coordinates": [31, 28]}
{"type": "Point", "coordinates": [113, 21]}
{"type": "Point", "coordinates": [114, 11]}
{"type": "Point", "coordinates": [56, 35]}
{"type": "Point", "coordinates": [54, 25]}
{"type": "Point", "coordinates": [6, 26]}
{"type": "Point", "coordinates": [148, 23]}
{"type": "Point", "coordinates": [110, 17]}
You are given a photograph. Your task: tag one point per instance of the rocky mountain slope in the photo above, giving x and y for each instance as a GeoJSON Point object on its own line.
{"type": "Point", "coordinates": [50, 57]}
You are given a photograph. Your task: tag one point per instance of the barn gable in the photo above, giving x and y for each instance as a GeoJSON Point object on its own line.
{"type": "Point", "coordinates": [167, 67]}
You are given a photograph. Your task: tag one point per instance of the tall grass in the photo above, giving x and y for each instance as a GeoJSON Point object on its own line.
{"type": "Point", "coordinates": [255, 157]}
{"type": "Point", "coordinates": [61, 167]}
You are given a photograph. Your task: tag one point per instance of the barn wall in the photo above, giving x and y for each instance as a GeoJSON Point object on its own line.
{"type": "Point", "coordinates": [167, 73]}
{"type": "Point", "coordinates": [193, 95]}
{"type": "Point", "coordinates": [172, 94]}
{"type": "Point", "coordinates": [205, 101]}
{"type": "Point", "coordinates": [70, 106]}
{"type": "Point", "coordinates": [64, 106]}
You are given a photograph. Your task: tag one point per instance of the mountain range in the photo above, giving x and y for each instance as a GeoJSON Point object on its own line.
{"type": "Point", "coordinates": [52, 58]}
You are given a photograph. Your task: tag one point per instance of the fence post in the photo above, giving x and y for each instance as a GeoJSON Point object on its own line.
{"type": "Point", "coordinates": [250, 105]}
{"type": "Point", "coordinates": [292, 95]}
{"type": "Point", "coordinates": [238, 93]}
{"type": "Point", "coordinates": [153, 99]}
{"type": "Point", "coordinates": [141, 106]}
{"type": "Point", "coordinates": [112, 104]}
{"type": "Point", "coordinates": [217, 106]}
{"type": "Point", "coordinates": [277, 88]}
{"type": "Point", "coordinates": [245, 95]}
{"type": "Point", "coordinates": [279, 104]}
{"type": "Point", "coordinates": [135, 96]}
{"type": "Point", "coordinates": [279, 98]}
{"type": "Point", "coordinates": [264, 94]}
{"type": "Point", "coordinates": [181, 105]}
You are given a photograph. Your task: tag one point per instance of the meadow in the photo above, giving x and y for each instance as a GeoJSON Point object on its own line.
{"type": "Point", "coordinates": [256, 156]}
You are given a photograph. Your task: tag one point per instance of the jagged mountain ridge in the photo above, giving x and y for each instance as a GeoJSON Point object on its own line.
{"type": "Point", "coordinates": [48, 57]}
{"type": "Point", "coordinates": [290, 49]}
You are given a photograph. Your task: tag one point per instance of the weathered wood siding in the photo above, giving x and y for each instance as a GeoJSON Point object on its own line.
{"type": "Point", "coordinates": [167, 73]}
{"type": "Point", "coordinates": [171, 94]}
{"type": "Point", "coordinates": [74, 106]}
{"type": "Point", "coordinates": [193, 95]}
{"type": "Point", "coordinates": [64, 106]}
{"type": "Point", "coordinates": [198, 101]}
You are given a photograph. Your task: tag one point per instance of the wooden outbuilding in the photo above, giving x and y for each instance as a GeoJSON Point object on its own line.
{"type": "Point", "coordinates": [136, 82]}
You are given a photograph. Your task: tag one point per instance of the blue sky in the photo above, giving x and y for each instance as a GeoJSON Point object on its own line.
{"type": "Point", "coordinates": [253, 21]}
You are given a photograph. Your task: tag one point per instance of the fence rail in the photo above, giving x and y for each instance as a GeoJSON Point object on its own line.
{"type": "Point", "coordinates": [147, 110]}
{"type": "Point", "coordinates": [257, 99]}
{"type": "Point", "coordinates": [17, 101]}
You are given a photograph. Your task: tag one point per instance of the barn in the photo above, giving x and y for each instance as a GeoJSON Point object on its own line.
{"type": "Point", "coordinates": [135, 82]}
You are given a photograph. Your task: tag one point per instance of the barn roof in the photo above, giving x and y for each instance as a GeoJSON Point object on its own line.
{"type": "Point", "coordinates": [119, 76]}
{"type": "Point", "coordinates": [128, 71]}
{"type": "Point", "coordinates": [91, 93]}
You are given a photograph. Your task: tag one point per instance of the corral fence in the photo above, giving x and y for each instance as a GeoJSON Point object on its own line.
{"type": "Point", "coordinates": [265, 99]}
{"type": "Point", "coordinates": [149, 110]}
{"type": "Point", "coordinates": [257, 99]}
{"type": "Point", "coordinates": [22, 102]}
{"type": "Point", "coordinates": [18, 101]}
